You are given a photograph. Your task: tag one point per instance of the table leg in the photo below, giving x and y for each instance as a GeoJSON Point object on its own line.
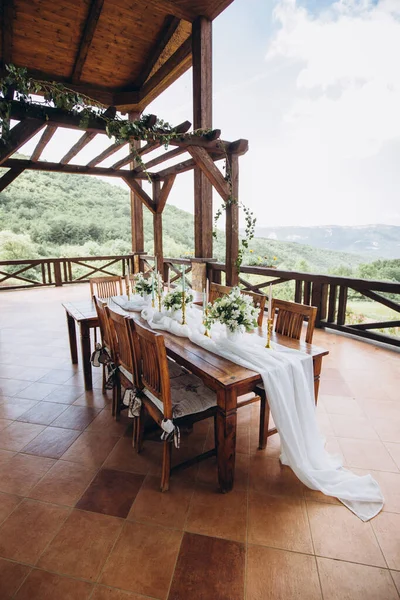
{"type": "Point", "coordinates": [85, 345]}
{"type": "Point", "coordinates": [226, 438]}
{"type": "Point", "coordinates": [317, 364]}
{"type": "Point", "coordinates": [72, 338]}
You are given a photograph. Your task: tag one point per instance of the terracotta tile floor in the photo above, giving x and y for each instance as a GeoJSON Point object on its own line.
{"type": "Point", "coordinates": [82, 517]}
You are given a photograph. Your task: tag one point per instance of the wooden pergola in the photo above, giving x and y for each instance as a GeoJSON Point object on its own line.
{"type": "Point", "coordinates": [79, 43]}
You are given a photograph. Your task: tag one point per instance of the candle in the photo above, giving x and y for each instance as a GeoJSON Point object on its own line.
{"type": "Point", "coordinates": [207, 290]}
{"type": "Point", "coordinates": [204, 300]}
{"type": "Point", "coordinates": [169, 279]}
{"type": "Point", "coordinates": [155, 264]}
{"type": "Point", "coordinates": [183, 277]}
{"type": "Point", "coordinates": [270, 302]}
{"type": "Point", "coordinates": [152, 287]}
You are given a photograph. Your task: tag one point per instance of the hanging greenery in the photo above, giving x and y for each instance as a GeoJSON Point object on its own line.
{"type": "Point", "coordinates": [17, 84]}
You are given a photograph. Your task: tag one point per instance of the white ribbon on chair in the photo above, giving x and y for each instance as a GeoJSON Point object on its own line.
{"type": "Point", "coordinates": [289, 384]}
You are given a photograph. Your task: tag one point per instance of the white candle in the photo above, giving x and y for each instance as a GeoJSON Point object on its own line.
{"type": "Point", "coordinates": [204, 300]}
{"type": "Point", "coordinates": [270, 302]}
{"type": "Point", "coordinates": [155, 264]}
{"type": "Point", "coordinates": [169, 279]}
{"type": "Point", "coordinates": [183, 277]}
{"type": "Point", "coordinates": [152, 287]}
{"type": "Point", "coordinates": [207, 290]}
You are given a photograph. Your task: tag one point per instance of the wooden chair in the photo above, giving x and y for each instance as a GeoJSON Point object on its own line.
{"type": "Point", "coordinates": [184, 400]}
{"type": "Point", "coordinates": [289, 321]}
{"type": "Point", "coordinates": [290, 317]}
{"type": "Point", "coordinates": [217, 291]}
{"type": "Point", "coordinates": [123, 357]}
{"type": "Point", "coordinates": [106, 338]}
{"type": "Point", "coordinates": [105, 287]}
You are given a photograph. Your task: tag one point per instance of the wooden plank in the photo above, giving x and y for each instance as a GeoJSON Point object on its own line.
{"type": "Point", "coordinates": [298, 291]}
{"type": "Point", "coordinates": [186, 165]}
{"type": "Point", "coordinates": [76, 148]}
{"type": "Point", "coordinates": [332, 303]}
{"type": "Point", "coordinates": [370, 335]}
{"type": "Point", "coordinates": [378, 325]}
{"type": "Point", "coordinates": [160, 159]}
{"type": "Point", "coordinates": [137, 227]}
{"type": "Point", "coordinates": [87, 37]}
{"type": "Point", "coordinates": [7, 14]}
{"type": "Point", "coordinates": [341, 313]}
{"type": "Point", "coordinates": [21, 133]}
{"type": "Point", "coordinates": [207, 166]}
{"type": "Point", "coordinates": [44, 140]}
{"type": "Point", "coordinates": [170, 26]}
{"type": "Point", "coordinates": [164, 193]}
{"type": "Point", "coordinates": [135, 187]}
{"type": "Point", "coordinates": [54, 116]}
{"type": "Point", "coordinates": [9, 177]}
{"type": "Point", "coordinates": [106, 153]}
{"type": "Point", "coordinates": [202, 119]}
{"type": "Point", "coordinates": [157, 227]}
{"type": "Point", "coordinates": [58, 168]}
{"type": "Point", "coordinates": [381, 299]}
{"type": "Point", "coordinates": [232, 226]}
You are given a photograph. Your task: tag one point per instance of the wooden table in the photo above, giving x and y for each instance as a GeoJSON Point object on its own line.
{"type": "Point", "coordinates": [227, 379]}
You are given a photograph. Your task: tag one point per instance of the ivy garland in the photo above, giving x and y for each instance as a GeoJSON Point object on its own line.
{"type": "Point", "coordinates": [18, 83]}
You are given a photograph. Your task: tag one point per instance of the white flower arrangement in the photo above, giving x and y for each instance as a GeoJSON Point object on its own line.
{"type": "Point", "coordinates": [143, 285]}
{"type": "Point", "coordinates": [235, 310]}
{"type": "Point", "coordinates": [173, 300]}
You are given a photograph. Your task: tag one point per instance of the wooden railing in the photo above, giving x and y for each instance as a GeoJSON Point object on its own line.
{"type": "Point", "coordinates": [17, 274]}
{"type": "Point", "coordinates": [330, 294]}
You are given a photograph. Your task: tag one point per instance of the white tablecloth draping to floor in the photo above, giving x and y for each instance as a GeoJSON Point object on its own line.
{"type": "Point", "coordinates": [289, 384]}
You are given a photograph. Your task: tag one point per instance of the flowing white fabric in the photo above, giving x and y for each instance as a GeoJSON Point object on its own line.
{"type": "Point", "coordinates": [289, 384]}
{"type": "Point", "coordinates": [133, 304]}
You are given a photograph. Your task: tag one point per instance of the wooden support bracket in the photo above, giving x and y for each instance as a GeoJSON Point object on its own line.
{"type": "Point", "coordinates": [206, 164]}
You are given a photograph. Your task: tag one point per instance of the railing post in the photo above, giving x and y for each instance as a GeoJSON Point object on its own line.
{"type": "Point", "coordinates": [341, 313]}
{"type": "Point", "coordinates": [298, 291]}
{"type": "Point", "coordinates": [57, 273]}
{"type": "Point", "coordinates": [332, 303]}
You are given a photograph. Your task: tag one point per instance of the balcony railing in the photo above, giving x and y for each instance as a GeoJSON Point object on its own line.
{"type": "Point", "coordinates": [330, 294]}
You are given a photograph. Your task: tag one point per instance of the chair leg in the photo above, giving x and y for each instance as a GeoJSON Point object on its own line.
{"type": "Point", "coordinates": [215, 433]}
{"type": "Point", "coordinates": [264, 420]}
{"type": "Point", "coordinates": [140, 430]}
{"type": "Point", "coordinates": [116, 397]}
{"type": "Point", "coordinates": [166, 467]}
{"type": "Point", "coordinates": [103, 386]}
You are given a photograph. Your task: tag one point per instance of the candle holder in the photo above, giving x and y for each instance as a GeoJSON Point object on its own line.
{"type": "Point", "coordinates": [153, 303]}
{"type": "Point", "coordinates": [206, 332]}
{"type": "Point", "coordinates": [183, 307]}
{"type": "Point", "coordinates": [270, 323]}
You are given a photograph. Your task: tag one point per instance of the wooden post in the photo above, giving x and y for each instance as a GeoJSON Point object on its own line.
{"type": "Point", "coordinates": [136, 203]}
{"type": "Point", "coordinates": [232, 225]}
{"type": "Point", "coordinates": [202, 118]}
{"type": "Point", "coordinates": [157, 229]}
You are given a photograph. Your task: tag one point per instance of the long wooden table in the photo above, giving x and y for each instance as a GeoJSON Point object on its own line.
{"type": "Point", "coordinates": [227, 379]}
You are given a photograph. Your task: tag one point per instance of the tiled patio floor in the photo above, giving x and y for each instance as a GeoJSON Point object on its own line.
{"type": "Point", "coordinates": [81, 515]}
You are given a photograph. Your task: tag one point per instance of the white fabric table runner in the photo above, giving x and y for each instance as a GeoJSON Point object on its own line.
{"type": "Point", "coordinates": [289, 384]}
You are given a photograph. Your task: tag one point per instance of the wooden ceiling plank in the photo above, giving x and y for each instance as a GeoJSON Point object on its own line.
{"type": "Point", "coordinates": [87, 37]}
{"type": "Point", "coordinates": [170, 8]}
{"type": "Point", "coordinates": [139, 191]}
{"type": "Point", "coordinates": [7, 14]}
{"type": "Point", "coordinates": [106, 153]}
{"type": "Point", "coordinates": [206, 164]}
{"type": "Point", "coordinates": [44, 140]}
{"type": "Point", "coordinates": [43, 165]}
{"type": "Point", "coordinates": [21, 133]}
{"type": "Point", "coordinates": [76, 148]}
{"type": "Point", "coordinates": [171, 24]}
{"type": "Point", "coordinates": [164, 193]}
{"type": "Point", "coordinates": [9, 177]}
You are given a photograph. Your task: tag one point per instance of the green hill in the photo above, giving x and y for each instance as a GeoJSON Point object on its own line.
{"type": "Point", "coordinates": [70, 215]}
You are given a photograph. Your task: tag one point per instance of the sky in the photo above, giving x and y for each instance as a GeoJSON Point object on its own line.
{"type": "Point", "coordinates": [314, 85]}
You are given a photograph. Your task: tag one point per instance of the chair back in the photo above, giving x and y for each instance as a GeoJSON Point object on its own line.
{"type": "Point", "coordinates": [105, 287]}
{"type": "Point", "coordinates": [290, 318]}
{"type": "Point", "coordinates": [121, 340]}
{"type": "Point", "coordinates": [217, 291]}
{"type": "Point", "coordinates": [106, 337]}
{"type": "Point", "coordinates": [152, 364]}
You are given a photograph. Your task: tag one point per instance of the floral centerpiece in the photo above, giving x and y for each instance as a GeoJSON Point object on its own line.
{"type": "Point", "coordinates": [173, 300]}
{"type": "Point", "coordinates": [143, 285]}
{"type": "Point", "coordinates": [235, 310]}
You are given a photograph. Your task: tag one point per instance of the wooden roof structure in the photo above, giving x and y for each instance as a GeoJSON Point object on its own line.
{"type": "Point", "coordinates": [123, 53]}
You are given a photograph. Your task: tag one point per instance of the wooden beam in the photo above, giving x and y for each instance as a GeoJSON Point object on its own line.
{"type": "Point", "coordinates": [20, 134]}
{"type": "Point", "coordinates": [238, 147]}
{"type": "Point", "coordinates": [76, 148]}
{"type": "Point", "coordinates": [106, 153]}
{"type": "Point", "coordinates": [135, 187]}
{"type": "Point", "coordinates": [206, 164]}
{"type": "Point", "coordinates": [232, 226]}
{"type": "Point", "coordinates": [159, 159]}
{"type": "Point", "coordinates": [202, 119]}
{"type": "Point", "coordinates": [164, 193]}
{"type": "Point", "coordinates": [157, 227]}
{"type": "Point", "coordinates": [87, 37]}
{"type": "Point", "coordinates": [54, 116]}
{"type": "Point", "coordinates": [186, 165]}
{"type": "Point", "coordinates": [173, 8]}
{"type": "Point", "coordinates": [9, 177]}
{"type": "Point", "coordinates": [7, 14]}
{"type": "Point", "coordinates": [171, 24]}
{"type": "Point", "coordinates": [44, 140]}
{"type": "Point", "coordinates": [59, 168]}
{"type": "Point", "coordinates": [137, 227]}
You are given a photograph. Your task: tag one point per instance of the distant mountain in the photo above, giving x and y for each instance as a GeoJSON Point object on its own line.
{"type": "Point", "coordinates": [372, 241]}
